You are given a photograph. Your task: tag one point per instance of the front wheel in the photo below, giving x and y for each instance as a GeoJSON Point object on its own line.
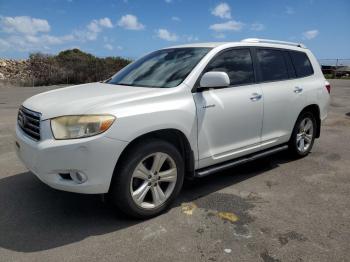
{"type": "Point", "coordinates": [148, 179]}
{"type": "Point", "coordinates": [303, 135]}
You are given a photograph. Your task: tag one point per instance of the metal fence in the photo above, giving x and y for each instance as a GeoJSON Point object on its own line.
{"type": "Point", "coordinates": [335, 68]}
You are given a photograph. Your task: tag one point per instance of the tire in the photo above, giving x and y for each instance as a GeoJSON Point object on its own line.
{"type": "Point", "coordinates": [155, 166]}
{"type": "Point", "coordinates": [303, 136]}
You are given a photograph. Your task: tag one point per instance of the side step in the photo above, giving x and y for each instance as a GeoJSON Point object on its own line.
{"type": "Point", "coordinates": [242, 160]}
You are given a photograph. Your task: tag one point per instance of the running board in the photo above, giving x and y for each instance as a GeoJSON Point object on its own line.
{"type": "Point", "coordinates": [242, 160]}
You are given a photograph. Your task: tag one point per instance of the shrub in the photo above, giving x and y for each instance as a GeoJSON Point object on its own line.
{"type": "Point", "coordinates": [72, 67]}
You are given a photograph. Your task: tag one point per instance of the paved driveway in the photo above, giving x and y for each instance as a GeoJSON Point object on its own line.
{"type": "Point", "coordinates": [273, 209]}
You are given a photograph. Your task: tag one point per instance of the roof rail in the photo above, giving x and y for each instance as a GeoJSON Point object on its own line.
{"type": "Point", "coordinates": [270, 41]}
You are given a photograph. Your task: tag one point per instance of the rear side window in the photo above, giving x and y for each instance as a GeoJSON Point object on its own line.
{"type": "Point", "coordinates": [301, 64]}
{"type": "Point", "coordinates": [272, 65]}
{"type": "Point", "coordinates": [237, 63]}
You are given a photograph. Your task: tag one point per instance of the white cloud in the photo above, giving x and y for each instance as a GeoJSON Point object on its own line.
{"type": "Point", "coordinates": [191, 38]}
{"type": "Point", "coordinates": [25, 33]}
{"type": "Point", "coordinates": [168, 1]}
{"type": "Point", "coordinates": [311, 34]}
{"type": "Point", "coordinates": [257, 27]}
{"type": "Point", "coordinates": [166, 35]}
{"type": "Point", "coordinates": [93, 29]}
{"type": "Point", "coordinates": [31, 34]}
{"type": "Point", "coordinates": [4, 45]}
{"type": "Point", "coordinates": [97, 24]}
{"type": "Point", "coordinates": [105, 22]}
{"type": "Point", "coordinates": [175, 18]}
{"type": "Point", "coordinates": [108, 46]}
{"type": "Point", "coordinates": [112, 47]}
{"type": "Point", "coordinates": [83, 35]}
{"type": "Point", "coordinates": [227, 26]}
{"type": "Point", "coordinates": [33, 42]}
{"type": "Point", "coordinates": [222, 10]}
{"type": "Point", "coordinates": [55, 40]}
{"type": "Point", "coordinates": [289, 10]}
{"type": "Point", "coordinates": [24, 25]}
{"type": "Point", "coordinates": [130, 22]}
{"type": "Point", "coordinates": [220, 36]}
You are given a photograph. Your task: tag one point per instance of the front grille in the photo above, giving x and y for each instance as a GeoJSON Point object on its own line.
{"type": "Point", "coordinates": [29, 122]}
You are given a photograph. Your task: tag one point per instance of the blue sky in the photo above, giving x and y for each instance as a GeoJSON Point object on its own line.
{"type": "Point", "coordinates": [132, 28]}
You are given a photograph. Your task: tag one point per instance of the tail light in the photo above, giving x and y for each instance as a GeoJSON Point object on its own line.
{"type": "Point", "coordinates": [328, 87]}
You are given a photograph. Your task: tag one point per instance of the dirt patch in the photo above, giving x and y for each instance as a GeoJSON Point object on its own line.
{"type": "Point", "coordinates": [269, 183]}
{"type": "Point", "coordinates": [333, 157]}
{"type": "Point", "coordinates": [227, 203]}
{"type": "Point", "coordinates": [291, 235]}
{"type": "Point", "coordinates": [266, 257]}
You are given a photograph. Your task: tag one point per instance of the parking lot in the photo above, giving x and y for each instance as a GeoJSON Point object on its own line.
{"type": "Point", "coordinates": [273, 209]}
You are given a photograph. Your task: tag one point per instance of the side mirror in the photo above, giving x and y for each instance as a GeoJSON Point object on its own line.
{"type": "Point", "coordinates": [214, 79]}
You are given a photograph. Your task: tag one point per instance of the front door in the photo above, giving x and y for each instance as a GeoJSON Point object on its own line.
{"type": "Point", "coordinates": [229, 119]}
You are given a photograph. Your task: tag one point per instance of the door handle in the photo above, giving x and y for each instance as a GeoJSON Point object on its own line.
{"type": "Point", "coordinates": [255, 97]}
{"type": "Point", "coordinates": [298, 89]}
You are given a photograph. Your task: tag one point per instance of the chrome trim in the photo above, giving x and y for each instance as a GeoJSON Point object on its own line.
{"type": "Point", "coordinates": [29, 122]}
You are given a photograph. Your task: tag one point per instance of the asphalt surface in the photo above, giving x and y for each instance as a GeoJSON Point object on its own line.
{"type": "Point", "coordinates": [273, 209]}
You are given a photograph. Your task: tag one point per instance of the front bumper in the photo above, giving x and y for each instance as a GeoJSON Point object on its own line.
{"type": "Point", "coordinates": [95, 157]}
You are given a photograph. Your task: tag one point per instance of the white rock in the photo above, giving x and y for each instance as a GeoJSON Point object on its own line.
{"type": "Point", "coordinates": [227, 250]}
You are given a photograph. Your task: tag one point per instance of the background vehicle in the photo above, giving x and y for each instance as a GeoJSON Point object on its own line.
{"type": "Point", "coordinates": [189, 110]}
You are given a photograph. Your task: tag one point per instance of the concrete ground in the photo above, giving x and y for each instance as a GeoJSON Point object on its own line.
{"type": "Point", "coordinates": [274, 209]}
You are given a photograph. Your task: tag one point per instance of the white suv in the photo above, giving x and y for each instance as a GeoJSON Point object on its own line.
{"type": "Point", "coordinates": [183, 111]}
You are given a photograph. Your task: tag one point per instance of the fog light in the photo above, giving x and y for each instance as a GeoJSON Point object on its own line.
{"type": "Point", "coordinates": [78, 177]}
{"type": "Point", "coordinates": [65, 176]}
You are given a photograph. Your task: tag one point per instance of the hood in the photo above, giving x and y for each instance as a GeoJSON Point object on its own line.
{"type": "Point", "coordinates": [79, 99]}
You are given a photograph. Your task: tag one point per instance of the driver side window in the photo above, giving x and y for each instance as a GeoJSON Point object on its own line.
{"type": "Point", "coordinates": [237, 63]}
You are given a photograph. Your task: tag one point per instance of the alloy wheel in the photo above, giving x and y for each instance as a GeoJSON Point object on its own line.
{"type": "Point", "coordinates": [153, 180]}
{"type": "Point", "coordinates": [305, 135]}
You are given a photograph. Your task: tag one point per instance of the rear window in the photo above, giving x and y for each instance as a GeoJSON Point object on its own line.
{"type": "Point", "coordinates": [272, 65]}
{"type": "Point", "coordinates": [301, 64]}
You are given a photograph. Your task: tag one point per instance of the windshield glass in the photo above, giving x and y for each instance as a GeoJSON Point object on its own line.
{"type": "Point", "coordinates": [163, 68]}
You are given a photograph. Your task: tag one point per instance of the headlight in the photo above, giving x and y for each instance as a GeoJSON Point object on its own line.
{"type": "Point", "coordinates": [69, 127]}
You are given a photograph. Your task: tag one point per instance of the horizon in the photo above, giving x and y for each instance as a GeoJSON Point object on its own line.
{"type": "Point", "coordinates": [116, 28]}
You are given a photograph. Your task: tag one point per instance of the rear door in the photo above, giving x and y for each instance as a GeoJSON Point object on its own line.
{"type": "Point", "coordinates": [283, 94]}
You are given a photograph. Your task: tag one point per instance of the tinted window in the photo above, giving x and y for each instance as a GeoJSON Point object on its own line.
{"type": "Point", "coordinates": [272, 64]}
{"type": "Point", "coordinates": [301, 63]}
{"type": "Point", "coordinates": [163, 68]}
{"type": "Point", "coordinates": [237, 63]}
{"type": "Point", "coordinates": [290, 67]}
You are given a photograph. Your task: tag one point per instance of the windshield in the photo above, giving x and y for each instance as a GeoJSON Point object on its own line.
{"type": "Point", "coordinates": [163, 68]}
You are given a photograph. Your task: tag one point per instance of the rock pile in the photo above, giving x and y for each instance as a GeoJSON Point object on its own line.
{"type": "Point", "coordinates": [17, 70]}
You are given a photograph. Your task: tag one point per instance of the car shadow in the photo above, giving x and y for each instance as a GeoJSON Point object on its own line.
{"type": "Point", "coordinates": [34, 217]}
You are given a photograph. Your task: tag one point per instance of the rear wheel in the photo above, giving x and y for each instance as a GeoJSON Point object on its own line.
{"type": "Point", "coordinates": [303, 135]}
{"type": "Point", "coordinates": [149, 179]}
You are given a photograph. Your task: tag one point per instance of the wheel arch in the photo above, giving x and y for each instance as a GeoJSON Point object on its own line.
{"type": "Point", "coordinates": [315, 110]}
{"type": "Point", "coordinates": [173, 136]}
